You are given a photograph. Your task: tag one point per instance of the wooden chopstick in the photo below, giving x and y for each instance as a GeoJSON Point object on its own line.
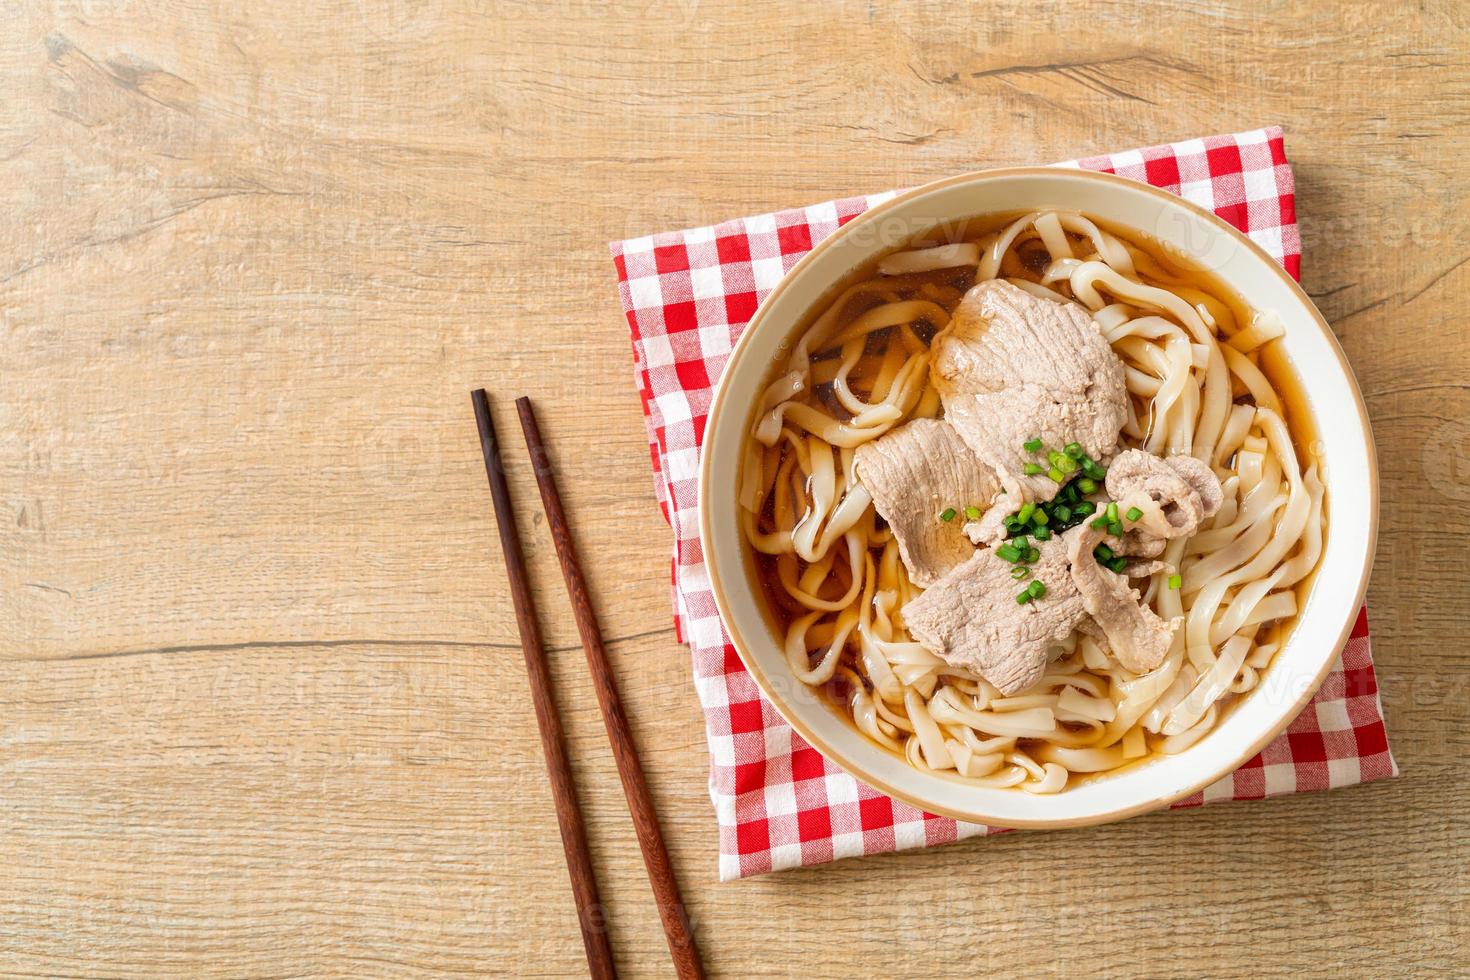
{"type": "Point", "coordinates": [568, 815]}
{"type": "Point", "coordinates": [671, 907]}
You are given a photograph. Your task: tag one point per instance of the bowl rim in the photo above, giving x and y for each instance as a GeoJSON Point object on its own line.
{"type": "Point", "coordinates": [719, 404]}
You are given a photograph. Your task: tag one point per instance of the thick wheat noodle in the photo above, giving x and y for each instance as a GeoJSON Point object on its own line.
{"type": "Point", "coordinates": [1215, 389]}
{"type": "Point", "coordinates": [804, 509]}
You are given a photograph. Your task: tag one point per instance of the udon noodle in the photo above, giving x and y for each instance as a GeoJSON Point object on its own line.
{"type": "Point", "coordinates": [1198, 383]}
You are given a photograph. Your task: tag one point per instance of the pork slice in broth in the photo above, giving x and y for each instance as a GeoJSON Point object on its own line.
{"type": "Point", "coordinates": [916, 473]}
{"type": "Point", "coordinates": [1010, 367]}
{"type": "Point", "coordinates": [1174, 496]}
{"type": "Point", "coordinates": [971, 618]}
{"type": "Point", "coordinates": [1136, 635]}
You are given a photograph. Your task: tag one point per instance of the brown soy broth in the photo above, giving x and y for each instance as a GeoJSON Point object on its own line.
{"type": "Point", "coordinates": [1271, 359]}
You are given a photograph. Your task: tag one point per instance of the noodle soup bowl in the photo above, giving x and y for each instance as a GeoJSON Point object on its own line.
{"type": "Point", "coordinates": [1342, 443]}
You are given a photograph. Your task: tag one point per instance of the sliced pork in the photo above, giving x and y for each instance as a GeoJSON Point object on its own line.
{"type": "Point", "coordinates": [915, 473]}
{"type": "Point", "coordinates": [1143, 567]}
{"type": "Point", "coordinates": [1010, 367]}
{"type": "Point", "coordinates": [971, 618]}
{"type": "Point", "coordinates": [1175, 495]}
{"type": "Point", "coordinates": [1136, 636]}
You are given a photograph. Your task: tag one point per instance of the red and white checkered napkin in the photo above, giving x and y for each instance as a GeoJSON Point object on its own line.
{"type": "Point", "coordinates": [688, 294]}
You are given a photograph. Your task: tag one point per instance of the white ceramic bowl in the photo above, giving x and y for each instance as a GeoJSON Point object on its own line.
{"type": "Point", "coordinates": [1333, 398]}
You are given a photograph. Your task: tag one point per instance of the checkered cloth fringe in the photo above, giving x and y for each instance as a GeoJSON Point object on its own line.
{"type": "Point", "coordinates": [687, 295]}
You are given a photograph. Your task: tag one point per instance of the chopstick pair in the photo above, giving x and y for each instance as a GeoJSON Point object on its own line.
{"type": "Point", "coordinates": [671, 910]}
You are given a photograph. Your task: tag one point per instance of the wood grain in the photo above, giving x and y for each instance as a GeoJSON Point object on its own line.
{"type": "Point", "coordinates": [260, 705]}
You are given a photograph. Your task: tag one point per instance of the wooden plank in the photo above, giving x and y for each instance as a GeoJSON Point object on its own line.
{"type": "Point", "coordinates": [262, 712]}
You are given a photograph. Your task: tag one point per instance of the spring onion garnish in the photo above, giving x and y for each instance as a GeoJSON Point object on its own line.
{"type": "Point", "coordinates": [1042, 534]}
{"type": "Point", "coordinates": [1032, 469]}
{"type": "Point", "coordinates": [1020, 572]}
{"type": "Point", "coordinates": [1009, 552]}
{"type": "Point", "coordinates": [948, 514]}
{"type": "Point", "coordinates": [1090, 468]}
{"type": "Point", "coordinates": [1032, 555]}
{"type": "Point", "coordinates": [1099, 524]}
{"type": "Point", "coordinates": [1062, 513]}
{"type": "Point", "coordinates": [1134, 513]}
{"type": "Point", "coordinates": [1023, 597]}
{"type": "Point", "coordinates": [1115, 528]}
{"type": "Point", "coordinates": [972, 512]}
{"type": "Point", "coordinates": [1112, 511]}
{"type": "Point", "coordinates": [1032, 445]}
{"type": "Point", "coordinates": [1107, 558]}
{"type": "Point", "coordinates": [1074, 450]}
{"type": "Point", "coordinates": [1176, 581]}
{"type": "Point", "coordinates": [1037, 588]}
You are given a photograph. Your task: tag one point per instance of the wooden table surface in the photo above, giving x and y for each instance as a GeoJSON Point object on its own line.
{"type": "Point", "coordinates": [262, 711]}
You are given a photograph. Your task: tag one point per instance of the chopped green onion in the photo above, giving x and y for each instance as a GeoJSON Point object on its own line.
{"type": "Point", "coordinates": [1056, 475]}
{"type": "Point", "coordinates": [1032, 469]}
{"type": "Point", "coordinates": [1074, 450]}
{"type": "Point", "coordinates": [1009, 552]}
{"type": "Point", "coordinates": [1042, 534]}
{"type": "Point", "coordinates": [1102, 552]}
{"type": "Point", "coordinates": [1112, 511]}
{"type": "Point", "coordinates": [1115, 528]}
{"type": "Point", "coordinates": [1062, 513]}
{"type": "Point", "coordinates": [1084, 507]}
{"type": "Point", "coordinates": [1118, 564]}
{"type": "Point", "coordinates": [1037, 588]}
{"type": "Point", "coordinates": [1032, 554]}
{"type": "Point", "coordinates": [948, 514]}
{"type": "Point", "coordinates": [1061, 461]}
{"type": "Point", "coordinates": [1099, 523]}
{"type": "Point", "coordinates": [1020, 572]}
{"type": "Point", "coordinates": [1086, 485]}
{"type": "Point", "coordinates": [1023, 597]}
{"type": "Point", "coordinates": [1175, 581]}
{"type": "Point", "coordinates": [1032, 445]}
{"type": "Point", "coordinates": [1024, 514]}
{"type": "Point", "coordinates": [1134, 513]}
{"type": "Point", "coordinates": [1039, 518]}
{"type": "Point", "coordinates": [1092, 469]}
{"type": "Point", "coordinates": [972, 512]}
